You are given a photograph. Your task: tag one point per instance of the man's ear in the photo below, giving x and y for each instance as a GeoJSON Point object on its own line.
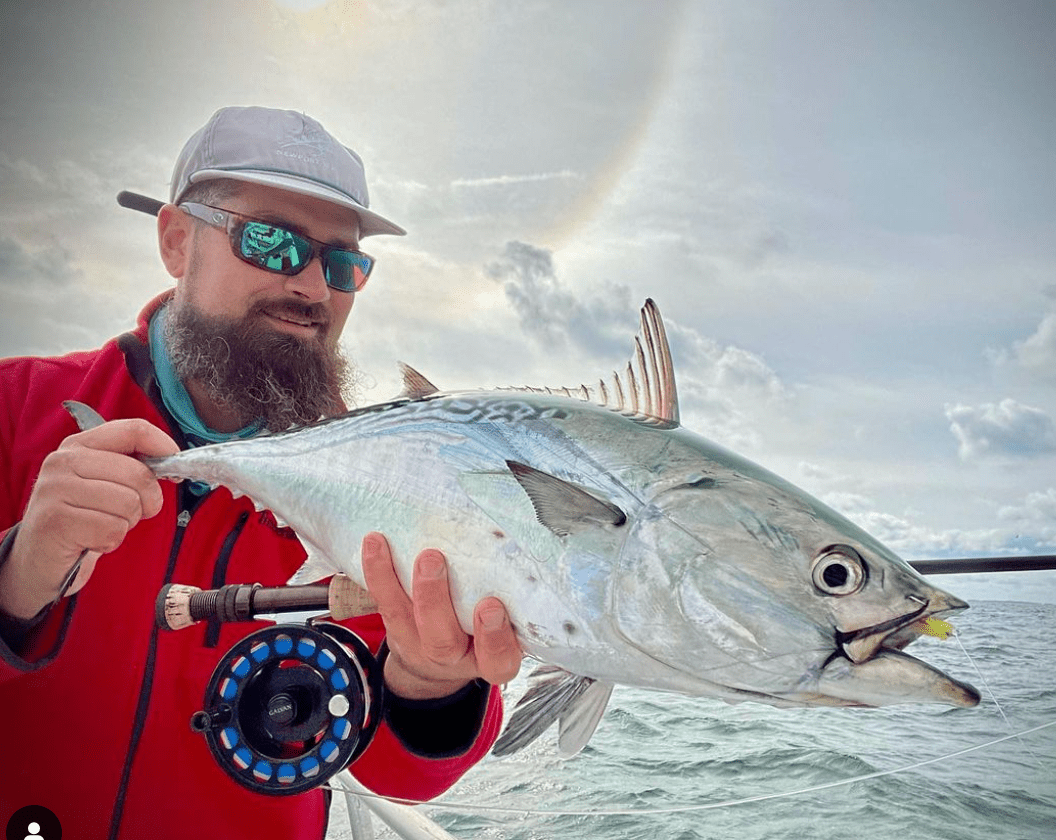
{"type": "Point", "coordinates": [175, 235]}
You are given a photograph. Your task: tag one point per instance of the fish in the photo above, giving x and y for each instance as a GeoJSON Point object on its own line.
{"type": "Point", "coordinates": [627, 549]}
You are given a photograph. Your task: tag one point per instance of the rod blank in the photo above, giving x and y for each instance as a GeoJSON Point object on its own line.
{"type": "Point", "coordinates": [967, 565]}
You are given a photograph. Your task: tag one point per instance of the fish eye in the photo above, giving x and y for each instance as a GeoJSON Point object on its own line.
{"type": "Point", "coordinates": [839, 570]}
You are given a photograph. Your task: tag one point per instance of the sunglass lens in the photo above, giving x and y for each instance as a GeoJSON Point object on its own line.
{"type": "Point", "coordinates": [274, 248]}
{"type": "Point", "coordinates": [347, 271]}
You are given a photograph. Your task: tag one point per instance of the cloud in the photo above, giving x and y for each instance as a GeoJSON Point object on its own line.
{"type": "Point", "coordinates": [727, 369]}
{"type": "Point", "coordinates": [1037, 515]}
{"type": "Point", "coordinates": [26, 267]}
{"type": "Point", "coordinates": [554, 315]}
{"type": "Point", "coordinates": [1036, 354]}
{"type": "Point", "coordinates": [904, 534]}
{"type": "Point", "coordinates": [819, 473]}
{"type": "Point", "coordinates": [1008, 428]}
{"type": "Point", "coordinates": [511, 180]}
{"type": "Point", "coordinates": [69, 183]}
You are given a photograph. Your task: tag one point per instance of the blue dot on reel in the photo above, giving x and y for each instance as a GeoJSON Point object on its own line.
{"type": "Point", "coordinates": [286, 774]}
{"type": "Point", "coordinates": [342, 728]}
{"type": "Point", "coordinates": [240, 667]}
{"type": "Point", "coordinates": [326, 659]}
{"type": "Point", "coordinates": [329, 750]}
{"type": "Point", "coordinates": [262, 771]}
{"type": "Point", "coordinates": [228, 688]}
{"type": "Point", "coordinates": [260, 651]}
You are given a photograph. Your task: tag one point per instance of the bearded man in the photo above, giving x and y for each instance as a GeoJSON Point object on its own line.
{"type": "Point", "coordinates": [261, 234]}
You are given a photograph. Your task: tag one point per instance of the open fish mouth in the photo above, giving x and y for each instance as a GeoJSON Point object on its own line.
{"type": "Point", "coordinates": [863, 644]}
{"type": "Point", "coordinates": [868, 667]}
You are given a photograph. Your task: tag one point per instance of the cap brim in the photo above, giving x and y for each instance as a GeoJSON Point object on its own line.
{"type": "Point", "coordinates": [142, 203]}
{"type": "Point", "coordinates": [370, 223]}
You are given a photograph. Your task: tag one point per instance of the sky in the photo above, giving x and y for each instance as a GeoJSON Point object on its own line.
{"type": "Point", "coordinates": [846, 213]}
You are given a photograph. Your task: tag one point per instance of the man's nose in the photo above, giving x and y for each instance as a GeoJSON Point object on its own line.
{"type": "Point", "coordinates": [309, 284]}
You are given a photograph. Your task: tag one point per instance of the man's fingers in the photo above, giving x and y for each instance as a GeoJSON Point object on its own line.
{"type": "Point", "coordinates": [108, 453]}
{"type": "Point", "coordinates": [102, 480]}
{"type": "Point", "coordinates": [98, 528]}
{"type": "Point", "coordinates": [442, 638]}
{"type": "Point", "coordinates": [431, 655]}
{"type": "Point", "coordinates": [385, 587]}
{"type": "Point", "coordinates": [129, 437]}
{"type": "Point", "coordinates": [497, 650]}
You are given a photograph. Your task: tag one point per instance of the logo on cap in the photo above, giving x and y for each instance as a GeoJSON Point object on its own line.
{"type": "Point", "coordinates": [309, 144]}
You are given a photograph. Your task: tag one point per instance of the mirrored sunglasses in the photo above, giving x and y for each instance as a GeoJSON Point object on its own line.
{"type": "Point", "coordinates": [283, 251]}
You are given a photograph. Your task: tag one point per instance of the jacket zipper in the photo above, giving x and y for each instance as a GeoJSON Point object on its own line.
{"type": "Point", "coordinates": [139, 721]}
{"type": "Point", "coordinates": [212, 632]}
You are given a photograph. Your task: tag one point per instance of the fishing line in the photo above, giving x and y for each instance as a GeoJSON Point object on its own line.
{"type": "Point", "coordinates": [990, 691]}
{"type": "Point", "coordinates": [676, 809]}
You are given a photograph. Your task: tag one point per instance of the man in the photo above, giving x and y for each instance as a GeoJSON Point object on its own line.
{"type": "Point", "coordinates": [262, 237]}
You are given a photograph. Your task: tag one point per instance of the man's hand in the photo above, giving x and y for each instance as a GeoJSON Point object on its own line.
{"type": "Point", "coordinates": [90, 492]}
{"type": "Point", "coordinates": [429, 653]}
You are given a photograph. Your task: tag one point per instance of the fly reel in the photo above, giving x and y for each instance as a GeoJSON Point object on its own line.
{"type": "Point", "coordinates": [291, 705]}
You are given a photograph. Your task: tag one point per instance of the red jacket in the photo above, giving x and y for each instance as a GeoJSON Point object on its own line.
{"type": "Point", "coordinates": [96, 709]}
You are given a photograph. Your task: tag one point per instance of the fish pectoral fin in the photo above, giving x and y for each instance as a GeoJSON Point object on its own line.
{"type": "Point", "coordinates": [562, 507]}
{"type": "Point", "coordinates": [555, 694]}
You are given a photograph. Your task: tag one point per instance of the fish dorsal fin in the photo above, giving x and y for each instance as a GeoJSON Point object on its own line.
{"type": "Point", "coordinates": [415, 386]}
{"type": "Point", "coordinates": [562, 507]}
{"type": "Point", "coordinates": [646, 389]}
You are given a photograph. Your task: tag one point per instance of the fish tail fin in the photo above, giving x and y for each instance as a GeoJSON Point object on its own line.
{"type": "Point", "coordinates": [86, 416]}
{"type": "Point", "coordinates": [555, 695]}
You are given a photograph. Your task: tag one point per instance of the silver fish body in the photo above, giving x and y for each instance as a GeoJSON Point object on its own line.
{"type": "Point", "coordinates": [626, 548]}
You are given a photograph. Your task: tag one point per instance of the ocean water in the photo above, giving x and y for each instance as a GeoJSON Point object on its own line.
{"type": "Point", "coordinates": [656, 759]}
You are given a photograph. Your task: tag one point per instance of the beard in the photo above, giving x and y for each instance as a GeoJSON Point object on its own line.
{"type": "Point", "coordinates": [257, 373]}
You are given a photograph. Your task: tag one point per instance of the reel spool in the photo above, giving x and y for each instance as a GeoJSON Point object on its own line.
{"type": "Point", "coordinates": [289, 706]}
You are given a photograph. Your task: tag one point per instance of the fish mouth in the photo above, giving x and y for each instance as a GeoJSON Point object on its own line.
{"type": "Point", "coordinates": [868, 667]}
{"type": "Point", "coordinates": [864, 643]}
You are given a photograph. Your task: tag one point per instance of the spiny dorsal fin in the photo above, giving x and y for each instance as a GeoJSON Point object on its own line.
{"type": "Point", "coordinates": [415, 386]}
{"type": "Point", "coordinates": [646, 389]}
